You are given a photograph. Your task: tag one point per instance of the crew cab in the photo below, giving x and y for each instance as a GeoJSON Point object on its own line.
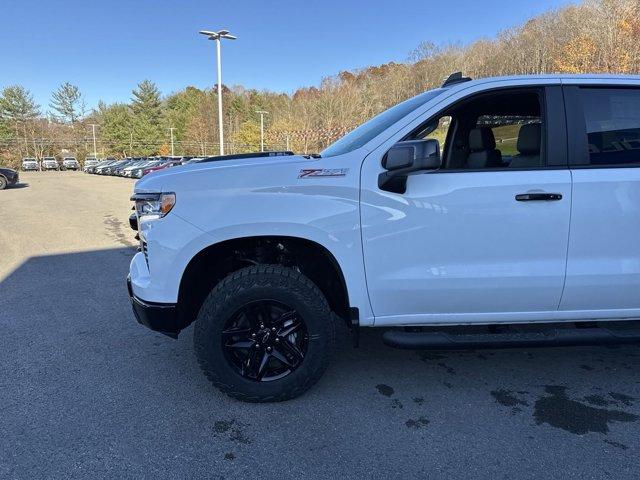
{"type": "Point", "coordinates": [70, 163]}
{"type": "Point", "coordinates": [29, 163]}
{"type": "Point", "coordinates": [509, 206]}
{"type": "Point", "coordinates": [8, 177]}
{"type": "Point", "coordinates": [50, 163]}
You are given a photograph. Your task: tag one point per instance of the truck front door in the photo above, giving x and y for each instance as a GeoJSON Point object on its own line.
{"type": "Point", "coordinates": [484, 238]}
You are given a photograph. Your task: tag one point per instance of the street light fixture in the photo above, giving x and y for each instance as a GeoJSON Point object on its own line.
{"type": "Point", "coordinates": [262, 113]}
{"type": "Point", "coordinates": [217, 36]}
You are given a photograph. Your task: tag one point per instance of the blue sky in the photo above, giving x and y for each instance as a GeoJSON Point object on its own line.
{"type": "Point", "coordinates": [106, 48]}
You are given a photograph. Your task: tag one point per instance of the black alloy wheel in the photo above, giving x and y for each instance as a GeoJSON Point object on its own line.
{"type": "Point", "coordinates": [264, 333]}
{"type": "Point", "coordinates": [265, 340]}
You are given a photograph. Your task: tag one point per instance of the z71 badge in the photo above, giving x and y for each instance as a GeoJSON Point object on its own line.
{"type": "Point", "coordinates": [323, 172]}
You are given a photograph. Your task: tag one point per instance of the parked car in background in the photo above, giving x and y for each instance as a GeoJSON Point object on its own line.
{"type": "Point", "coordinates": [119, 170]}
{"type": "Point", "coordinates": [70, 163]}
{"type": "Point", "coordinates": [138, 172]}
{"type": "Point", "coordinates": [100, 169]}
{"type": "Point", "coordinates": [137, 164]}
{"type": "Point", "coordinates": [90, 164]}
{"type": "Point", "coordinates": [50, 163]}
{"type": "Point", "coordinates": [111, 169]}
{"type": "Point", "coordinates": [8, 177]}
{"type": "Point", "coordinates": [30, 164]}
{"type": "Point", "coordinates": [161, 166]}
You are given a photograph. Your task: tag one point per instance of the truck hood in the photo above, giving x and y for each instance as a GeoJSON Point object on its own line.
{"type": "Point", "coordinates": [158, 179]}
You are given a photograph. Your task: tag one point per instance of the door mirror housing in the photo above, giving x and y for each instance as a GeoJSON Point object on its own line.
{"type": "Point", "coordinates": [407, 157]}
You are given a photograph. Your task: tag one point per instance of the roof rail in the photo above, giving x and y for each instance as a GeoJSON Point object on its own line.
{"type": "Point", "coordinates": [455, 78]}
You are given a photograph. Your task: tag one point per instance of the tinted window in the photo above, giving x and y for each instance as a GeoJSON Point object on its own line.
{"type": "Point", "coordinates": [612, 118]}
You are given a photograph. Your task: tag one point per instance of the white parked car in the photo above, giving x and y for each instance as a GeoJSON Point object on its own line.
{"type": "Point", "coordinates": [30, 164]}
{"type": "Point", "coordinates": [70, 163]}
{"type": "Point", "coordinates": [495, 202]}
{"type": "Point", "coordinates": [50, 163]}
{"type": "Point", "coordinates": [90, 164]}
{"type": "Point", "coordinates": [132, 170]}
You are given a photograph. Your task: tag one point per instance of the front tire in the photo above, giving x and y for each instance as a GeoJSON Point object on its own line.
{"type": "Point", "coordinates": [264, 334]}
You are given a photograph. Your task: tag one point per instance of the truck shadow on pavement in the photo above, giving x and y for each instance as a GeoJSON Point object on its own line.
{"type": "Point", "coordinates": [17, 186]}
{"type": "Point", "coordinates": [76, 367]}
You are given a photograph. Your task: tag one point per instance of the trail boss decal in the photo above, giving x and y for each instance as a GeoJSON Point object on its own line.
{"type": "Point", "coordinates": [323, 172]}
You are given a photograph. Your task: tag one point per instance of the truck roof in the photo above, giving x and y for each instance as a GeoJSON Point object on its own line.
{"type": "Point", "coordinates": [548, 78]}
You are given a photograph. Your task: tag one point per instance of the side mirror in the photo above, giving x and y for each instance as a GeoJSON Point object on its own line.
{"type": "Point", "coordinates": [405, 158]}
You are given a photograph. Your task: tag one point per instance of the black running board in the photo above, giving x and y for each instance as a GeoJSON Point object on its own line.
{"type": "Point", "coordinates": [547, 338]}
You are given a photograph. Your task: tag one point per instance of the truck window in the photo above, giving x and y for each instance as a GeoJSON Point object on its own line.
{"type": "Point", "coordinates": [498, 130]}
{"type": "Point", "coordinates": [612, 119]}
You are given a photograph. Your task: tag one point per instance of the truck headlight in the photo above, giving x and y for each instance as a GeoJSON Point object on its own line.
{"type": "Point", "coordinates": [153, 204]}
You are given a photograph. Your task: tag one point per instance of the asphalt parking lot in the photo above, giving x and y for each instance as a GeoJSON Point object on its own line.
{"type": "Point", "coordinates": [85, 392]}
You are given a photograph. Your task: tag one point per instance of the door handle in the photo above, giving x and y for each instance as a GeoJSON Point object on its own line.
{"type": "Point", "coordinates": [531, 197]}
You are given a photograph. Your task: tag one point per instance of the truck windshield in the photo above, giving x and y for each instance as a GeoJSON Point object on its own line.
{"type": "Point", "coordinates": [369, 130]}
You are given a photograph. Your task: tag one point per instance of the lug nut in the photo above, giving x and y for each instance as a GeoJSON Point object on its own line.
{"type": "Point", "coordinates": [277, 339]}
{"type": "Point", "coordinates": [253, 335]}
{"type": "Point", "coordinates": [257, 345]}
{"type": "Point", "coordinates": [273, 329]}
{"type": "Point", "coordinates": [269, 349]}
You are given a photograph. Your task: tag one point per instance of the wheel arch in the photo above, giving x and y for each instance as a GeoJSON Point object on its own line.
{"type": "Point", "coordinates": [214, 262]}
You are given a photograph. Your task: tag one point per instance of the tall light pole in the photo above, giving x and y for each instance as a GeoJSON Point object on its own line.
{"type": "Point", "coordinates": [93, 127]}
{"type": "Point", "coordinates": [262, 113]}
{"type": "Point", "coordinates": [171, 129]}
{"type": "Point", "coordinates": [217, 36]}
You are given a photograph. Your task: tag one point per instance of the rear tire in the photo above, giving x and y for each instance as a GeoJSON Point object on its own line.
{"type": "Point", "coordinates": [231, 307]}
{"type": "Point", "coordinates": [3, 183]}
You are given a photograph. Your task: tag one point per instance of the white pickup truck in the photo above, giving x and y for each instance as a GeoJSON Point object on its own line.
{"type": "Point", "coordinates": [507, 205]}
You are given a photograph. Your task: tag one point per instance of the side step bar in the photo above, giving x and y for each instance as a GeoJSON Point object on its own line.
{"type": "Point", "coordinates": [439, 340]}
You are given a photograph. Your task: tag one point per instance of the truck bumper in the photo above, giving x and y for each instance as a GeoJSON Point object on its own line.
{"type": "Point", "coordinates": [159, 317]}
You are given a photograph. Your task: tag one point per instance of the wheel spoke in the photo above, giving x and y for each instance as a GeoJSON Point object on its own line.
{"type": "Point", "coordinates": [292, 351]}
{"type": "Point", "coordinates": [249, 364]}
{"type": "Point", "coordinates": [262, 369]}
{"type": "Point", "coordinates": [236, 332]}
{"type": "Point", "coordinates": [282, 358]}
{"type": "Point", "coordinates": [264, 313]}
{"type": "Point", "coordinates": [292, 327]}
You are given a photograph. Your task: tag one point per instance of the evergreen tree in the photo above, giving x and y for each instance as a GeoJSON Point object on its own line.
{"type": "Point", "coordinates": [18, 114]}
{"type": "Point", "coordinates": [147, 118]}
{"type": "Point", "coordinates": [17, 105]}
{"type": "Point", "coordinates": [116, 128]}
{"type": "Point", "coordinates": [68, 102]}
